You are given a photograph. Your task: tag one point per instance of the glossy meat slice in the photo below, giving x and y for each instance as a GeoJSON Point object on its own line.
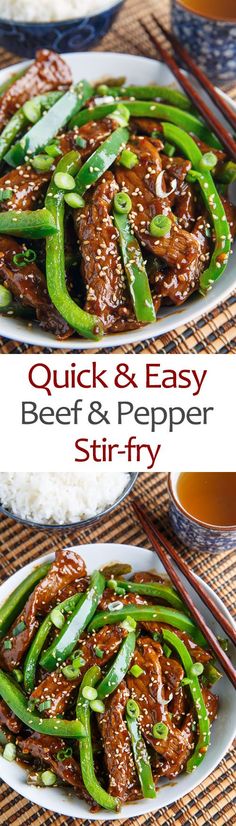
{"type": "Point", "coordinates": [58, 688]}
{"type": "Point", "coordinates": [8, 719]}
{"type": "Point", "coordinates": [150, 576]}
{"type": "Point", "coordinates": [27, 285]}
{"type": "Point", "coordinates": [148, 691]}
{"type": "Point", "coordinates": [117, 748]}
{"type": "Point", "coordinates": [107, 295]}
{"type": "Point", "coordinates": [47, 73]}
{"type": "Point", "coordinates": [197, 653]}
{"type": "Point", "coordinates": [93, 133]}
{"type": "Point", "coordinates": [185, 207]}
{"type": "Point", "coordinates": [126, 599]}
{"type": "Point", "coordinates": [45, 749]}
{"type": "Point", "coordinates": [179, 249]}
{"type": "Point", "coordinates": [28, 187]}
{"type": "Point", "coordinates": [64, 569]}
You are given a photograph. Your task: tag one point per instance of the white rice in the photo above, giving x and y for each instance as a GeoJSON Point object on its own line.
{"type": "Point", "coordinates": [30, 11]}
{"type": "Point", "coordinates": [60, 498]}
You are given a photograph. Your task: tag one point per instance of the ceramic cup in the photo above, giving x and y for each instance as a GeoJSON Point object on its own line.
{"type": "Point", "coordinates": [194, 533]}
{"type": "Point", "coordinates": [212, 43]}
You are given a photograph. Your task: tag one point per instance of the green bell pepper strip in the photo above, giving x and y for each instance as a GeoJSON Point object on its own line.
{"type": "Point", "coordinates": [160, 111]}
{"type": "Point", "coordinates": [94, 113]}
{"type": "Point", "coordinates": [118, 668]}
{"type": "Point", "coordinates": [134, 265]}
{"type": "Point", "coordinates": [105, 800]}
{"type": "Point", "coordinates": [101, 159]}
{"type": "Point", "coordinates": [16, 124]}
{"type": "Point", "coordinates": [18, 703]}
{"type": "Point", "coordinates": [32, 658]}
{"type": "Point", "coordinates": [152, 589]}
{"type": "Point", "coordinates": [148, 613]}
{"type": "Point", "coordinates": [56, 118]}
{"type": "Point", "coordinates": [141, 758]}
{"type": "Point", "coordinates": [173, 96]}
{"type": "Point", "coordinates": [36, 224]}
{"type": "Point", "coordinates": [17, 599]}
{"type": "Point", "coordinates": [66, 640]}
{"type": "Point", "coordinates": [87, 325]}
{"type": "Point", "coordinates": [212, 201]}
{"type": "Point", "coordinates": [195, 690]}
{"type": "Point", "coordinates": [226, 173]}
{"type": "Point", "coordinates": [11, 80]}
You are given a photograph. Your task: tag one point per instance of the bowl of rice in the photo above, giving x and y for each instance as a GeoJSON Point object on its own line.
{"type": "Point", "coordinates": [59, 25]}
{"type": "Point", "coordinates": [53, 501]}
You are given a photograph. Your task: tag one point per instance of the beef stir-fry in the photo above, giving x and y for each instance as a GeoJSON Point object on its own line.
{"type": "Point", "coordinates": [105, 681]}
{"type": "Point", "coordinates": [118, 199]}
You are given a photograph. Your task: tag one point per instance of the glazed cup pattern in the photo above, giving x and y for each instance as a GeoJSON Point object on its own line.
{"type": "Point", "coordinates": [212, 43]}
{"type": "Point", "coordinates": [191, 531]}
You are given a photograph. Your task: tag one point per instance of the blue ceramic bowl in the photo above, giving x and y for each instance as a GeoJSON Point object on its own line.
{"type": "Point", "coordinates": [212, 43]}
{"type": "Point", "coordinates": [74, 35]}
{"type": "Point", "coordinates": [191, 531]}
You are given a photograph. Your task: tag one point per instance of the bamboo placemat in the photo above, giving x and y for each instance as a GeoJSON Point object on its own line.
{"type": "Point", "coordinates": [212, 801]}
{"type": "Point", "coordinates": [216, 331]}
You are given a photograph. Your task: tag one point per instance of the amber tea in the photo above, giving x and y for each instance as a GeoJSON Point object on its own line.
{"type": "Point", "coordinates": [209, 497]}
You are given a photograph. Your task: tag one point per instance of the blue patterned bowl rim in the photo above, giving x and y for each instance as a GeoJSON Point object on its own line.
{"type": "Point", "coordinates": [175, 500]}
{"type": "Point", "coordinates": [69, 20]}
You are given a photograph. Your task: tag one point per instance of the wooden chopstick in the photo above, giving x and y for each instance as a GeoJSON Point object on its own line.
{"type": "Point", "coordinates": [224, 136]}
{"type": "Point", "coordinates": [149, 529]}
{"type": "Point", "coordinates": [225, 624]}
{"type": "Point", "coordinates": [219, 101]}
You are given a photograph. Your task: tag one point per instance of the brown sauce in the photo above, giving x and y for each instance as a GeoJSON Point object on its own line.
{"type": "Point", "coordinates": [209, 497]}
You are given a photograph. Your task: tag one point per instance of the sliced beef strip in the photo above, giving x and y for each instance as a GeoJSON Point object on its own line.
{"type": "Point", "coordinates": [180, 249]}
{"type": "Point", "coordinates": [45, 749]}
{"type": "Point", "coordinates": [146, 126]}
{"type": "Point", "coordinates": [56, 687]}
{"type": "Point", "coordinates": [64, 569]}
{"type": "Point", "coordinates": [118, 756]}
{"type": "Point", "coordinates": [107, 294]}
{"type": "Point", "coordinates": [171, 669]}
{"type": "Point", "coordinates": [150, 576]}
{"type": "Point", "coordinates": [27, 285]}
{"type": "Point", "coordinates": [148, 691]}
{"type": "Point", "coordinates": [9, 719]}
{"type": "Point", "coordinates": [127, 599]}
{"type": "Point", "coordinates": [27, 185]}
{"type": "Point", "coordinates": [197, 653]}
{"type": "Point", "coordinates": [47, 73]}
{"type": "Point", "coordinates": [185, 207]}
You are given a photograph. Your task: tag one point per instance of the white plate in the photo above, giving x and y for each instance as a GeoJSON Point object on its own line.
{"type": "Point", "coordinates": [136, 69]}
{"type": "Point", "coordinates": [57, 799]}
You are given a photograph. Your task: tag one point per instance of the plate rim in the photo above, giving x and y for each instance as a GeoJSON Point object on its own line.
{"type": "Point", "coordinates": [192, 312]}
{"type": "Point", "coordinates": [103, 815]}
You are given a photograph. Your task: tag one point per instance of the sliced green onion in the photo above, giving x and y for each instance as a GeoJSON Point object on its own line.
{"type": "Point", "coordinates": [122, 203]}
{"type": "Point", "coordinates": [197, 669]}
{"type": "Point", "coordinates": [19, 628]}
{"type": "Point", "coordinates": [57, 617]}
{"type": "Point", "coordinates": [133, 709]}
{"type": "Point", "coordinates": [45, 705]}
{"type": "Point", "coordinates": [160, 731]}
{"type": "Point", "coordinates": [156, 636]}
{"type": "Point", "coordinates": [115, 606]}
{"type": "Point", "coordinates": [63, 754]}
{"type": "Point", "coordinates": [185, 681]}
{"type": "Point", "coordinates": [112, 584]}
{"type": "Point", "coordinates": [120, 591]}
{"type": "Point", "coordinates": [160, 226]}
{"type": "Point", "coordinates": [52, 150]}
{"type": "Point", "coordinates": [41, 163]}
{"type": "Point", "coordinates": [17, 673]}
{"type": "Point", "coordinates": [48, 778]}
{"type": "Point", "coordinates": [9, 752]}
{"type": "Point", "coordinates": [166, 650]}
{"type": "Point", "coordinates": [7, 645]}
{"type": "Point", "coordinates": [155, 133]}
{"type": "Point", "coordinates": [64, 181]}
{"type": "Point", "coordinates": [81, 142]}
{"type": "Point", "coordinates": [128, 159]}
{"type": "Point", "coordinates": [32, 110]}
{"type": "Point", "coordinates": [5, 194]}
{"type": "Point", "coordinates": [70, 672]}
{"type": "Point", "coordinates": [99, 652]}
{"type": "Point", "coordinates": [168, 149]}
{"type": "Point", "coordinates": [89, 693]}
{"type": "Point", "coordinates": [136, 671]}
{"type": "Point", "coordinates": [208, 161]}
{"type": "Point", "coordinates": [78, 661]}
{"type": "Point", "coordinates": [121, 115]}
{"type": "Point", "coordinates": [30, 255]}
{"type": "Point", "coordinates": [129, 624]}
{"type": "Point", "coordinates": [21, 259]}
{"type": "Point", "coordinates": [74, 200]}
{"type": "Point", "coordinates": [97, 705]}
{"type": "Point", "coordinates": [5, 297]}
{"type": "Point", "coordinates": [102, 90]}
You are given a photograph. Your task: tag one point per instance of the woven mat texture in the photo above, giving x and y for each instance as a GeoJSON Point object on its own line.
{"type": "Point", "coordinates": [212, 801]}
{"type": "Point", "coordinates": [216, 331]}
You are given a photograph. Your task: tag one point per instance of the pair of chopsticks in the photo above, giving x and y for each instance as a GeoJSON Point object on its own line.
{"type": "Point", "coordinates": [159, 542]}
{"type": "Point", "coordinates": [221, 131]}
